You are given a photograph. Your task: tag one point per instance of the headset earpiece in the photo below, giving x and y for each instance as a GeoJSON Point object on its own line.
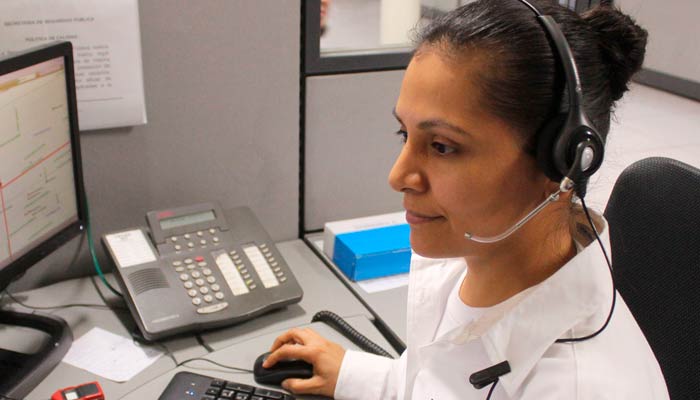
{"type": "Point", "coordinates": [546, 138]}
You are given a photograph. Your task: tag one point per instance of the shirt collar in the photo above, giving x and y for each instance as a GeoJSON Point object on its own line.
{"type": "Point", "coordinates": [561, 306]}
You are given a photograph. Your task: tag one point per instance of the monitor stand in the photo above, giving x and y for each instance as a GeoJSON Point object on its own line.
{"type": "Point", "coordinates": [20, 373]}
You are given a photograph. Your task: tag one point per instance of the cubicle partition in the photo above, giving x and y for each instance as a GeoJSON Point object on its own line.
{"type": "Point", "coordinates": [222, 98]}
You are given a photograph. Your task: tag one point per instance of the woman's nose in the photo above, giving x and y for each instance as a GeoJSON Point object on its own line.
{"type": "Point", "coordinates": [405, 175]}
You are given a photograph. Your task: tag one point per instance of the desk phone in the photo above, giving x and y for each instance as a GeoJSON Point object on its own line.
{"type": "Point", "coordinates": [196, 268]}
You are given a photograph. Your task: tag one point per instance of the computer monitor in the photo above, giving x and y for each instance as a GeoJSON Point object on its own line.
{"type": "Point", "coordinates": [42, 202]}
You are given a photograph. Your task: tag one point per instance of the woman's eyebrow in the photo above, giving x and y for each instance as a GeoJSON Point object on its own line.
{"type": "Point", "coordinates": [434, 123]}
{"type": "Point", "coordinates": [393, 112]}
{"type": "Point", "coordinates": [438, 123]}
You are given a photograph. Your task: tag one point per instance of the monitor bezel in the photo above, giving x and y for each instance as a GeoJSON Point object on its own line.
{"type": "Point", "coordinates": [24, 59]}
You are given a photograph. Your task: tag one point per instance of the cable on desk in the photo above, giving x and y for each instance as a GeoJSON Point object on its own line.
{"type": "Point", "coordinates": [339, 324]}
{"type": "Point", "coordinates": [240, 370]}
{"type": "Point", "coordinates": [91, 245]}
{"type": "Point", "coordinates": [2, 396]}
{"type": "Point", "coordinates": [16, 300]}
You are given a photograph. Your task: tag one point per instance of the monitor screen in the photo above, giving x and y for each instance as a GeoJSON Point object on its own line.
{"type": "Point", "coordinates": [40, 184]}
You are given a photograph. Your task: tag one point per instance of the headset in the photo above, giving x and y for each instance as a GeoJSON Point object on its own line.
{"type": "Point", "coordinates": [570, 131]}
{"type": "Point", "coordinates": [569, 150]}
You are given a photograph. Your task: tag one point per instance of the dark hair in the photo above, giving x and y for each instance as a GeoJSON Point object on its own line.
{"type": "Point", "coordinates": [522, 83]}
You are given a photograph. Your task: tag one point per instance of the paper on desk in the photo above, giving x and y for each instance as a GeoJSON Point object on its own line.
{"type": "Point", "coordinates": [111, 356]}
{"type": "Point", "coordinates": [384, 283]}
{"type": "Point", "coordinates": [106, 51]}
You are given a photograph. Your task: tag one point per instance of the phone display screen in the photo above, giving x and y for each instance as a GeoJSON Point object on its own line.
{"type": "Point", "coordinates": [189, 219]}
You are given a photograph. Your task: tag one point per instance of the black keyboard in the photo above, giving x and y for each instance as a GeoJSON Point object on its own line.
{"type": "Point", "coordinates": [190, 386]}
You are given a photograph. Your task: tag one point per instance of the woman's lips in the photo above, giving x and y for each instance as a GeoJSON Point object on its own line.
{"type": "Point", "coordinates": [414, 218]}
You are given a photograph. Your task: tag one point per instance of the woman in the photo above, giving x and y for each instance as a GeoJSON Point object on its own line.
{"type": "Point", "coordinates": [483, 82]}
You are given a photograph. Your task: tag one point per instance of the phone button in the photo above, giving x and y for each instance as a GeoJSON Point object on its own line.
{"type": "Point", "coordinates": [197, 301]}
{"type": "Point", "coordinates": [184, 277]}
{"type": "Point", "coordinates": [192, 292]}
{"type": "Point", "coordinates": [208, 298]}
{"type": "Point", "coordinates": [212, 308]}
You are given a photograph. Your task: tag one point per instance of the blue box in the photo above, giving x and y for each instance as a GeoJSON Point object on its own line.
{"type": "Point", "coordinates": [373, 253]}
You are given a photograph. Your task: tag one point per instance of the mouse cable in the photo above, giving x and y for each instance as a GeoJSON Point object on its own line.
{"type": "Point", "coordinates": [91, 245]}
{"type": "Point", "coordinates": [62, 306]}
{"type": "Point", "coordinates": [237, 369]}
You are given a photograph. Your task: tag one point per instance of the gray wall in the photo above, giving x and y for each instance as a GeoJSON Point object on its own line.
{"type": "Point", "coordinates": [222, 96]}
{"type": "Point", "coordinates": [674, 35]}
{"type": "Point", "coordinates": [350, 146]}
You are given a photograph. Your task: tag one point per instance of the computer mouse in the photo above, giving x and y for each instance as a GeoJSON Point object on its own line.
{"type": "Point", "coordinates": [282, 370]}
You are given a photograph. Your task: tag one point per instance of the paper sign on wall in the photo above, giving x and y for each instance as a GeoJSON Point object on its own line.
{"type": "Point", "coordinates": [106, 50]}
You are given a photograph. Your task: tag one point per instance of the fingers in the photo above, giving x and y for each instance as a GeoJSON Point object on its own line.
{"type": "Point", "coordinates": [312, 385]}
{"type": "Point", "coordinates": [294, 335]}
{"type": "Point", "coordinates": [289, 352]}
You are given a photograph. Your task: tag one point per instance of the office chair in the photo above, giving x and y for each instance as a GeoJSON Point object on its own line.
{"type": "Point", "coordinates": [654, 217]}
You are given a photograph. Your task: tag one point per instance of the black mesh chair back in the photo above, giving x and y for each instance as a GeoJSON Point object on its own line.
{"type": "Point", "coordinates": [654, 217]}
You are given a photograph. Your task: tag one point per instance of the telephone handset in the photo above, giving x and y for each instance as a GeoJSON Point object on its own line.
{"type": "Point", "coordinates": [197, 268]}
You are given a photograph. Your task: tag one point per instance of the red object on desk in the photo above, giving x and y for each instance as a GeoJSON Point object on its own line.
{"type": "Point", "coordinates": [86, 391]}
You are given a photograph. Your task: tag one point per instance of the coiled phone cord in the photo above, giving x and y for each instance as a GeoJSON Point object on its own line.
{"type": "Point", "coordinates": [339, 324]}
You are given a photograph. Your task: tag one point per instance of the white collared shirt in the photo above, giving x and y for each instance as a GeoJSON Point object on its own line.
{"type": "Point", "coordinates": [617, 364]}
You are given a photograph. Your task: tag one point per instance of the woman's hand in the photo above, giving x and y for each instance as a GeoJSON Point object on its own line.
{"type": "Point", "coordinates": [305, 344]}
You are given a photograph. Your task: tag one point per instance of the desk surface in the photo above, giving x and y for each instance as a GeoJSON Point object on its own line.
{"type": "Point", "coordinates": [388, 306]}
{"type": "Point", "coordinates": [237, 344]}
{"type": "Point", "coordinates": [243, 354]}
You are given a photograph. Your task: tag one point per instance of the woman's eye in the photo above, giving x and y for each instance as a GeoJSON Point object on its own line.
{"type": "Point", "coordinates": [443, 148]}
{"type": "Point", "coordinates": [403, 134]}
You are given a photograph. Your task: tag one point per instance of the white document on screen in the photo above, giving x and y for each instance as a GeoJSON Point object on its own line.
{"type": "Point", "coordinates": [106, 50]}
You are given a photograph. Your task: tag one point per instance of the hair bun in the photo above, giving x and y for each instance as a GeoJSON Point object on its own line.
{"type": "Point", "coordinates": [622, 43]}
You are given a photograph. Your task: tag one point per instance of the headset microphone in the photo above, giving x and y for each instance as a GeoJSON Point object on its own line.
{"type": "Point", "coordinates": [574, 178]}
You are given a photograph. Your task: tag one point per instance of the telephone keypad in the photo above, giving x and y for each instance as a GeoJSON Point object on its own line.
{"type": "Point", "coordinates": [199, 279]}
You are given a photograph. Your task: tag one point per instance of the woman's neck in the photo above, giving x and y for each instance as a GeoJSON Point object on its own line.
{"type": "Point", "coordinates": [530, 257]}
